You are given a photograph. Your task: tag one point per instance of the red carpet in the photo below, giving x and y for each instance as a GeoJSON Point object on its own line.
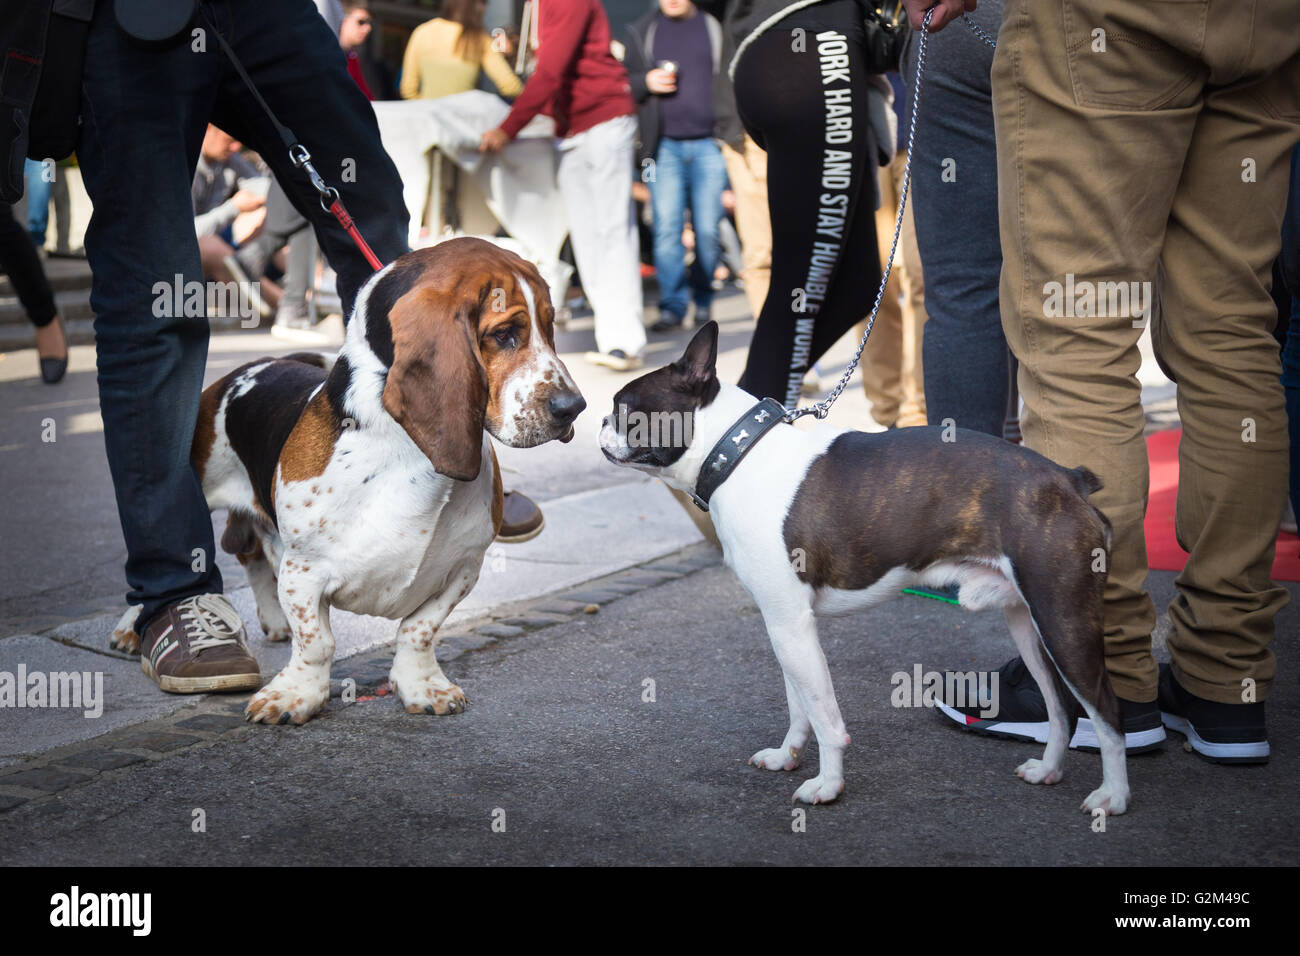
{"type": "Point", "coordinates": [1163, 553]}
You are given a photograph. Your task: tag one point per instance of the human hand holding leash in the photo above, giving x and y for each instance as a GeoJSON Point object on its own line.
{"type": "Point", "coordinates": [945, 11]}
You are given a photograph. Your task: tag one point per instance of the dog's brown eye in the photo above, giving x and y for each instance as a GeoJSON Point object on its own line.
{"type": "Point", "coordinates": [504, 337]}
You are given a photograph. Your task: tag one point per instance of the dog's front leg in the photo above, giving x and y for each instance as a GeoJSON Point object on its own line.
{"type": "Point", "coordinates": [303, 686]}
{"type": "Point", "coordinates": [790, 753]}
{"type": "Point", "coordinates": [793, 632]}
{"type": "Point", "coordinates": [416, 676]}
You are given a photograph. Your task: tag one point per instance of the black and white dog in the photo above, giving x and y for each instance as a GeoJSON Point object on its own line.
{"type": "Point", "coordinates": [828, 521]}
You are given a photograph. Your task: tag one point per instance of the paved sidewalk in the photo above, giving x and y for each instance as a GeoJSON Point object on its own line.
{"type": "Point", "coordinates": [554, 649]}
{"type": "Point", "coordinates": [562, 745]}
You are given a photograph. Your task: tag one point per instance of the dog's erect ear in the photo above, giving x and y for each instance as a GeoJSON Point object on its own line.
{"type": "Point", "coordinates": [437, 388]}
{"type": "Point", "coordinates": [699, 361]}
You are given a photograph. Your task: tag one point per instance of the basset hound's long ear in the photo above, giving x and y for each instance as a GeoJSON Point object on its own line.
{"type": "Point", "coordinates": [437, 387]}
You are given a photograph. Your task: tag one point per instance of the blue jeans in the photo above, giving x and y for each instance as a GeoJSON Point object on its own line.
{"type": "Point", "coordinates": [687, 170]}
{"type": "Point", "coordinates": [965, 358]}
{"type": "Point", "coordinates": [144, 113]}
{"type": "Point", "coordinates": [38, 201]}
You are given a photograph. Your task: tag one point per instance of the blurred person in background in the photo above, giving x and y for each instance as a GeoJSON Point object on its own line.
{"type": "Point", "coordinates": [372, 75]}
{"type": "Point", "coordinates": [18, 260]}
{"type": "Point", "coordinates": [229, 195]}
{"type": "Point", "coordinates": [445, 55]}
{"type": "Point", "coordinates": [585, 89]}
{"type": "Point", "coordinates": [891, 364]}
{"type": "Point", "coordinates": [674, 60]}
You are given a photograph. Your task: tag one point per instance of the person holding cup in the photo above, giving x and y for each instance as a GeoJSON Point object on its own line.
{"type": "Point", "coordinates": [677, 154]}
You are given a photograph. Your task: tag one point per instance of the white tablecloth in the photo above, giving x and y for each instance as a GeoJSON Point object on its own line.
{"type": "Point", "coordinates": [518, 183]}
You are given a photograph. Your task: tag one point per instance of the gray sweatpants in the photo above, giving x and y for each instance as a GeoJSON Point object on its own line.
{"type": "Point", "coordinates": [955, 207]}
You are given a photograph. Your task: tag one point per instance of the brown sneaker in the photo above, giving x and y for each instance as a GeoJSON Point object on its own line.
{"type": "Point", "coordinates": [196, 646]}
{"type": "Point", "coordinates": [521, 519]}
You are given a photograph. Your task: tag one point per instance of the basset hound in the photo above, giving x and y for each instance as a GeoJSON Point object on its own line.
{"type": "Point", "coordinates": [370, 484]}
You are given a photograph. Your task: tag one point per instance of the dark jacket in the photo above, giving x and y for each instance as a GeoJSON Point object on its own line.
{"type": "Point", "coordinates": [639, 41]}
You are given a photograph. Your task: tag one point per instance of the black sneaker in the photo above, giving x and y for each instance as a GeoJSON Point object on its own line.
{"type": "Point", "coordinates": [1223, 733]}
{"type": "Point", "coordinates": [668, 321]}
{"type": "Point", "coordinates": [1022, 714]}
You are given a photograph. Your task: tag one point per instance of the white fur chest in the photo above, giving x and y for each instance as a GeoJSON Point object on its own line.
{"type": "Point", "coordinates": [381, 528]}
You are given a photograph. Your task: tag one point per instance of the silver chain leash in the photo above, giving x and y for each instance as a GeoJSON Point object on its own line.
{"type": "Point", "coordinates": [821, 409]}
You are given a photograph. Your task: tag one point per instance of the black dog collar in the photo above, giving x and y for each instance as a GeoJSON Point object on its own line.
{"type": "Point", "coordinates": [733, 446]}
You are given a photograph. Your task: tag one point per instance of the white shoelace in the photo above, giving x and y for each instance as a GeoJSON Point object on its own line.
{"type": "Point", "coordinates": [210, 621]}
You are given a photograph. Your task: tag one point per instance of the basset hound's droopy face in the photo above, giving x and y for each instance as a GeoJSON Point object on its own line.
{"type": "Point", "coordinates": [471, 333]}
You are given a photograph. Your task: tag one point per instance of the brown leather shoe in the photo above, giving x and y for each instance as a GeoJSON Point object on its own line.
{"type": "Point", "coordinates": [521, 519]}
{"type": "Point", "coordinates": [196, 646]}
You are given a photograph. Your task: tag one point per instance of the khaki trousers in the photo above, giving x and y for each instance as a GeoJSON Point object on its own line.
{"type": "Point", "coordinates": [892, 375]}
{"type": "Point", "coordinates": [747, 170]}
{"type": "Point", "coordinates": [1148, 142]}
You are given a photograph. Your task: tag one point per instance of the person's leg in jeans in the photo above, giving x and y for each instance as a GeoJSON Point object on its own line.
{"type": "Point", "coordinates": [139, 145]}
{"type": "Point", "coordinates": [138, 148]}
{"type": "Point", "coordinates": [595, 180]}
{"type": "Point", "coordinates": [39, 176]}
{"type": "Point", "coordinates": [668, 193]}
{"type": "Point", "coordinates": [708, 178]}
{"type": "Point", "coordinates": [1122, 203]}
{"type": "Point", "coordinates": [954, 180]}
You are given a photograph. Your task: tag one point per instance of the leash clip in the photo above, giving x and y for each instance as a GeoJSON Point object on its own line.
{"type": "Point", "coordinates": [818, 411]}
{"type": "Point", "coordinates": [301, 159]}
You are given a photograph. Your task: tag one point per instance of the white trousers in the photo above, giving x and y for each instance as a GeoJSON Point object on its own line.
{"type": "Point", "coordinates": [595, 179]}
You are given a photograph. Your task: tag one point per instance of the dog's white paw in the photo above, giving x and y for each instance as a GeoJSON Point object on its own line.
{"type": "Point", "coordinates": [124, 638]}
{"type": "Point", "coordinates": [1035, 771]}
{"type": "Point", "coordinates": [775, 758]}
{"type": "Point", "coordinates": [819, 789]}
{"type": "Point", "coordinates": [274, 624]}
{"type": "Point", "coordinates": [429, 695]}
{"type": "Point", "coordinates": [288, 699]}
{"type": "Point", "coordinates": [1113, 803]}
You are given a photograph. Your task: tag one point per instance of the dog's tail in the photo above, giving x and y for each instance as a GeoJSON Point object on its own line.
{"type": "Point", "coordinates": [1085, 483]}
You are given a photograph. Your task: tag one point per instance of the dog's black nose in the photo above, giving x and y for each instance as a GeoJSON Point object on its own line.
{"type": "Point", "coordinates": [566, 406]}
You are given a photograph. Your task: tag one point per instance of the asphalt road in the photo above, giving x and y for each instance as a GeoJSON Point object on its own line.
{"type": "Point", "coordinates": [559, 745]}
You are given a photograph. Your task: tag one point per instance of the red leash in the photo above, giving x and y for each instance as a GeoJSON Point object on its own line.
{"type": "Point", "coordinates": [331, 203]}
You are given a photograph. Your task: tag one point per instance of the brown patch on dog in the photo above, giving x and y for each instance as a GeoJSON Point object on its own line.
{"type": "Point", "coordinates": [310, 445]}
{"type": "Point", "coordinates": [205, 427]}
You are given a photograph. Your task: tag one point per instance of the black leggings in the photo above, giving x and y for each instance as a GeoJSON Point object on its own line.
{"type": "Point", "coordinates": [19, 259]}
{"type": "Point", "coordinates": [808, 108]}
